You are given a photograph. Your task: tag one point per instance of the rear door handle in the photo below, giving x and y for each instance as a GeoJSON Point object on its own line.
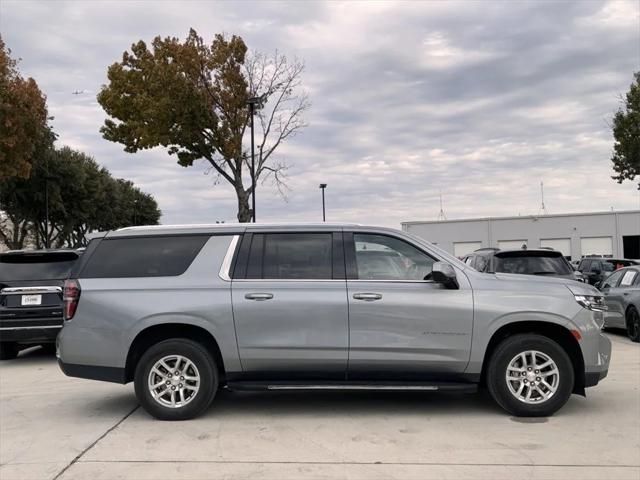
{"type": "Point", "coordinates": [367, 297]}
{"type": "Point", "coordinates": [258, 296]}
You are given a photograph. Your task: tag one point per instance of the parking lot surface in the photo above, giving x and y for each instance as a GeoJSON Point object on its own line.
{"type": "Point", "coordinates": [54, 427]}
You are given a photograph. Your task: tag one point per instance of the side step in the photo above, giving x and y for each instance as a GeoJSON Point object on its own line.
{"type": "Point", "coordinates": [354, 386]}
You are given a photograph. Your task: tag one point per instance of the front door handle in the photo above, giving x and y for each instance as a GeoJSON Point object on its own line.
{"type": "Point", "coordinates": [367, 297]}
{"type": "Point", "coordinates": [260, 297]}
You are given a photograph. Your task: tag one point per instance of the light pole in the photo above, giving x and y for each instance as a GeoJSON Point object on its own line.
{"type": "Point", "coordinates": [255, 103]}
{"type": "Point", "coordinates": [322, 187]}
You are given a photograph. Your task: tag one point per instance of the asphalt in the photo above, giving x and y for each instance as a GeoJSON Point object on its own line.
{"type": "Point", "coordinates": [54, 427]}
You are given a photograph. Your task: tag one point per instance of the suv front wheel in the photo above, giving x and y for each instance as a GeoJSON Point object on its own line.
{"type": "Point", "coordinates": [176, 379]}
{"type": "Point", "coordinates": [530, 375]}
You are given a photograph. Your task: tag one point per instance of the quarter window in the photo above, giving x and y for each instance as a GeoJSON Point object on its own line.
{"type": "Point", "coordinates": [143, 256]}
{"type": "Point", "coordinates": [379, 257]}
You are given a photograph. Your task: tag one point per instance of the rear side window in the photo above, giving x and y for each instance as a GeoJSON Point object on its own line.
{"type": "Point", "coordinates": [46, 266]}
{"type": "Point", "coordinates": [291, 256]}
{"type": "Point", "coordinates": [143, 256]}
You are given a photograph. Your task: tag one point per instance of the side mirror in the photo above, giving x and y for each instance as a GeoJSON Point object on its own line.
{"type": "Point", "coordinates": [445, 274]}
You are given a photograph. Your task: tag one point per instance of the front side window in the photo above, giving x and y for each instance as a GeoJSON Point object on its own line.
{"type": "Point", "coordinates": [612, 280]}
{"type": "Point", "coordinates": [628, 279]}
{"type": "Point", "coordinates": [291, 256]}
{"type": "Point", "coordinates": [379, 257]}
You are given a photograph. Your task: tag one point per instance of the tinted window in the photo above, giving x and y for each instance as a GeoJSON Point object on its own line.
{"type": "Point", "coordinates": [291, 256]}
{"type": "Point", "coordinates": [612, 280]}
{"type": "Point", "coordinates": [379, 257]}
{"type": "Point", "coordinates": [532, 265]}
{"type": "Point", "coordinates": [46, 266]}
{"type": "Point", "coordinates": [143, 257]}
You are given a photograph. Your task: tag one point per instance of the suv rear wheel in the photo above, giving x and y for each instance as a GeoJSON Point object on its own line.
{"type": "Point", "coordinates": [176, 379]}
{"type": "Point", "coordinates": [633, 324]}
{"type": "Point", "coordinates": [8, 350]}
{"type": "Point", "coordinates": [530, 375]}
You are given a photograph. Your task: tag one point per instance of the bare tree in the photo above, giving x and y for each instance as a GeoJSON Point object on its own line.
{"type": "Point", "coordinates": [279, 81]}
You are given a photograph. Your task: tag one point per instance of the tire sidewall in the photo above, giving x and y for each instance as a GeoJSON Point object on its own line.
{"type": "Point", "coordinates": [630, 312]}
{"type": "Point", "coordinates": [203, 361]}
{"type": "Point", "coordinates": [500, 359]}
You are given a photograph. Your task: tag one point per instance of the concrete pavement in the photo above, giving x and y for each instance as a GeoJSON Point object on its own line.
{"type": "Point", "coordinates": [52, 426]}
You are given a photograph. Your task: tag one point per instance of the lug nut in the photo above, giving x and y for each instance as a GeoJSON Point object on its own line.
{"type": "Point", "coordinates": [168, 382]}
{"type": "Point", "coordinates": [181, 378]}
{"type": "Point", "coordinates": [177, 372]}
{"type": "Point", "coordinates": [180, 385]}
{"type": "Point", "coordinates": [537, 371]}
{"type": "Point", "coordinates": [529, 368]}
{"type": "Point", "coordinates": [537, 379]}
{"type": "Point", "coordinates": [169, 375]}
{"type": "Point", "coordinates": [173, 388]}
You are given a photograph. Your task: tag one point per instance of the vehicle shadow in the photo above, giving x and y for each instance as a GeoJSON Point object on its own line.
{"type": "Point", "coordinates": [349, 403]}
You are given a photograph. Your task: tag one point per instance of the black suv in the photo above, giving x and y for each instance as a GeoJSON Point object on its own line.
{"type": "Point", "coordinates": [541, 261]}
{"type": "Point", "coordinates": [596, 269]}
{"type": "Point", "coordinates": [31, 298]}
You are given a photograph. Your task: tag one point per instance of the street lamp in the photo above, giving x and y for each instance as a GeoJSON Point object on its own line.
{"type": "Point", "coordinates": [255, 103]}
{"type": "Point", "coordinates": [322, 187]}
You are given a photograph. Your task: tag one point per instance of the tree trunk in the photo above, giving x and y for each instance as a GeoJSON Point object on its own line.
{"type": "Point", "coordinates": [244, 211]}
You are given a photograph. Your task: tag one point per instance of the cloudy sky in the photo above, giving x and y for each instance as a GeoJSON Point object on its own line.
{"type": "Point", "coordinates": [480, 100]}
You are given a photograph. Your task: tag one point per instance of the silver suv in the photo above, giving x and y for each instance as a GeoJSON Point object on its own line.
{"type": "Point", "coordinates": [183, 311]}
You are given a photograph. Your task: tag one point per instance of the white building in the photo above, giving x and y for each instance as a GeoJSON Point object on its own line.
{"type": "Point", "coordinates": [613, 234]}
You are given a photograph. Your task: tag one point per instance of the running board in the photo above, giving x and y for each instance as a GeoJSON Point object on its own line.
{"type": "Point", "coordinates": [421, 387]}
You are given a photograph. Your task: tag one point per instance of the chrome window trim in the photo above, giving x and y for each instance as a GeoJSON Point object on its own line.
{"type": "Point", "coordinates": [289, 280]}
{"type": "Point", "coordinates": [29, 290]}
{"type": "Point", "coordinates": [31, 328]}
{"type": "Point", "coordinates": [225, 268]}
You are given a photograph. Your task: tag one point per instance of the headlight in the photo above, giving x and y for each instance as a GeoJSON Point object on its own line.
{"type": "Point", "coordinates": [592, 302]}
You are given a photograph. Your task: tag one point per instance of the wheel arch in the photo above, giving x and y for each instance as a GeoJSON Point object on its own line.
{"type": "Point", "coordinates": [164, 331]}
{"type": "Point", "coordinates": [555, 332]}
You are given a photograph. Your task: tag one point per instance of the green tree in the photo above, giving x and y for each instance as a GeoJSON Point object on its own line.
{"type": "Point", "coordinates": [82, 197]}
{"type": "Point", "coordinates": [191, 98]}
{"type": "Point", "coordinates": [24, 132]}
{"type": "Point", "coordinates": [626, 132]}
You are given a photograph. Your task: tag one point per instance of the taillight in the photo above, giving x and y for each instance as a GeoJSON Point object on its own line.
{"type": "Point", "coordinates": [70, 296]}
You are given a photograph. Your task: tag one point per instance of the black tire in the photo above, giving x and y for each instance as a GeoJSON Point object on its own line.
{"type": "Point", "coordinates": [498, 386]}
{"type": "Point", "coordinates": [8, 350]}
{"type": "Point", "coordinates": [205, 365]}
{"type": "Point", "coordinates": [633, 324]}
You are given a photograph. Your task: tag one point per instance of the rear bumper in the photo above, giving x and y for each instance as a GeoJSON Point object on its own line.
{"type": "Point", "coordinates": [93, 372]}
{"type": "Point", "coordinates": [30, 334]}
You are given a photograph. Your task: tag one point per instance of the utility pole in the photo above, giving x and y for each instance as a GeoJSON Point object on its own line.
{"type": "Point", "coordinates": [441, 215]}
{"type": "Point", "coordinates": [322, 187]}
{"type": "Point", "coordinates": [543, 209]}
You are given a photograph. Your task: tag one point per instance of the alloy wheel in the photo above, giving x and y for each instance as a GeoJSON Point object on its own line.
{"type": "Point", "coordinates": [532, 377]}
{"type": "Point", "coordinates": [174, 381]}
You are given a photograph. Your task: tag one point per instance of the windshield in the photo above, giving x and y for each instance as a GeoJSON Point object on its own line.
{"type": "Point", "coordinates": [36, 267]}
{"type": "Point", "coordinates": [532, 265]}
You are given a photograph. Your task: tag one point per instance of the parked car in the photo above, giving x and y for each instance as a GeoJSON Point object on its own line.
{"type": "Point", "coordinates": [31, 298]}
{"type": "Point", "coordinates": [596, 269]}
{"type": "Point", "coordinates": [182, 311]}
{"type": "Point", "coordinates": [543, 261]}
{"type": "Point", "coordinates": [622, 295]}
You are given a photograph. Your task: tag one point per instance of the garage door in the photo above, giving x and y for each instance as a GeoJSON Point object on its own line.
{"type": "Point", "coordinates": [596, 246]}
{"type": "Point", "coordinates": [460, 249]}
{"type": "Point", "coordinates": [560, 244]}
{"type": "Point", "coordinates": [511, 244]}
